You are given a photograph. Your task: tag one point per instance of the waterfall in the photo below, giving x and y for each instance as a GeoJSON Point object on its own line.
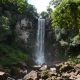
{"type": "Point", "coordinates": [39, 54]}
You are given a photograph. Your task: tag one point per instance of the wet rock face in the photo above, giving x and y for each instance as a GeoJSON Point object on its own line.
{"type": "Point", "coordinates": [21, 30]}
{"type": "Point", "coordinates": [24, 28]}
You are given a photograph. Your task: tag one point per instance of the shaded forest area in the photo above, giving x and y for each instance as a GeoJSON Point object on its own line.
{"type": "Point", "coordinates": [12, 12]}
{"type": "Point", "coordinates": [64, 20]}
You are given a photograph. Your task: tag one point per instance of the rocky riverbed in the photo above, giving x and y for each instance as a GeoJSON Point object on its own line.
{"type": "Point", "coordinates": [61, 71]}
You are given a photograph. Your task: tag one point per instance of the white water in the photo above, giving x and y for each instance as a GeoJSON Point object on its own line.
{"type": "Point", "coordinates": [40, 59]}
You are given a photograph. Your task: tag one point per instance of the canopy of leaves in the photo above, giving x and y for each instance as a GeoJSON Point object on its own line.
{"type": "Point", "coordinates": [67, 14]}
{"type": "Point", "coordinates": [55, 2]}
{"type": "Point", "coordinates": [11, 12]}
{"type": "Point", "coordinates": [44, 14]}
{"type": "Point", "coordinates": [14, 5]}
{"type": "Point", "coordinates": [66, 22]}
{"type": "Point", "coordinates": [15, 10]}
{"type": "Point", "coordinates": [31, 12]}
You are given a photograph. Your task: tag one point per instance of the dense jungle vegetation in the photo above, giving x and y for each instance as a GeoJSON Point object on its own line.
{"type": "Point", "coordinates": [12, 11]}
{"type": "Point", "coordinates": [65, 20]}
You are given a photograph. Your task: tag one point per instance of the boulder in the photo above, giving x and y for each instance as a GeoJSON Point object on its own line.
{"type": "Point", "coordinates": [44, 67]}
{"type": "Point", "coordinates": [58, 66]}
{"type": "Point", "coordinates": [78, 76]}
{"type": "Point", "coordinates": [77, 72]}
{"type": "Point", "coordinates": [59, 78]}
{"type": "Point", "coordinates": [3, 75]}
{"type": "Point", "coordinates": [52, 72]}
{"type": "Point", "coordinates": [45, 74]}
{"type": "Point", "coordinates": [71, 78]}
{"type": "Point", "coordinates": [23, 65]}
{"type": "Point", "coordinates": [36, 67]}
{"type": "Point", "coordinates": [66, 68]}
{"type": "Point", "coordinates": [66, 75]}
{"type": "Point", "coordinates": [77, 67]}
{"type": "Point", "coordinates": [78, 79]}
{"type": "Point", "coordinates": [31, 76]}
{"type": "Point", "coordinates": [18, 72]}
{"type": "Point", "coordinates": [53, 78]}
{"type": "Point", "coordinates": [53, 69]}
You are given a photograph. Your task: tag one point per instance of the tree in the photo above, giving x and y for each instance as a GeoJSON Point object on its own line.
{"type": "Point", "coordinates": [49, 10]}
{"type": "Point", "coordinates": [14, 5]}
{"type": "Point", "coordinates": [31, 12]}
{"type": "Point", "coordinates": [66, 16]}
{"type": "Point", "coordinates": [55, 2]}
{"type": "Point", "coordinates": [44, 14]}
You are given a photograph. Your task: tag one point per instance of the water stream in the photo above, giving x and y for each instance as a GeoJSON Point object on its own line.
{"type": "Point", "coordinates": [39, 54]}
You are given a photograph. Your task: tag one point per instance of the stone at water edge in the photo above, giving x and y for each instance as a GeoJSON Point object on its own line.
{"type": "Point", "coordinates": [53, 69]}
{"type": "Point", "coordinates": [36, 67]}
{"type": "Point", "coordinates": [32, 75]}
{"type": "Point", "coordinates": [44, 67]}
{"type": "Point", "coordinates": [52, 72]}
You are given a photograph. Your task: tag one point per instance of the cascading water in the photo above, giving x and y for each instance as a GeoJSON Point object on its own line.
{"type": "Point", "coordinates": [39, 54]}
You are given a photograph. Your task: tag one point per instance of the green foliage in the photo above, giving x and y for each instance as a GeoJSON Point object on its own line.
{"type": "Point", "coordinates": [76, 40]}
{"type": "Point", "coordinates": [4, 23]}
{"type": "Point", "coordinates": [67, 14]}
{"type": "Point", "coordinates": [74, 60]}
{"type": "Point", "coordinates": [44, 14]}
{"type": "Point", "coordinates": [66, 22]}
{"type": "Point", "coordinates": [31, 12]}
{"type": "Point", "coordinates": [11, 12]}
{"type": "Point", "coordinates": [49, 10]}
{"type": "Point", "coordinates": [10, 55]}
{"type": "Point", "coordinates": [4, 27]}
{"type": "Point", "coordinates": [55, 2]}
{"type": "Point", "coordinates": [14, 5]}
